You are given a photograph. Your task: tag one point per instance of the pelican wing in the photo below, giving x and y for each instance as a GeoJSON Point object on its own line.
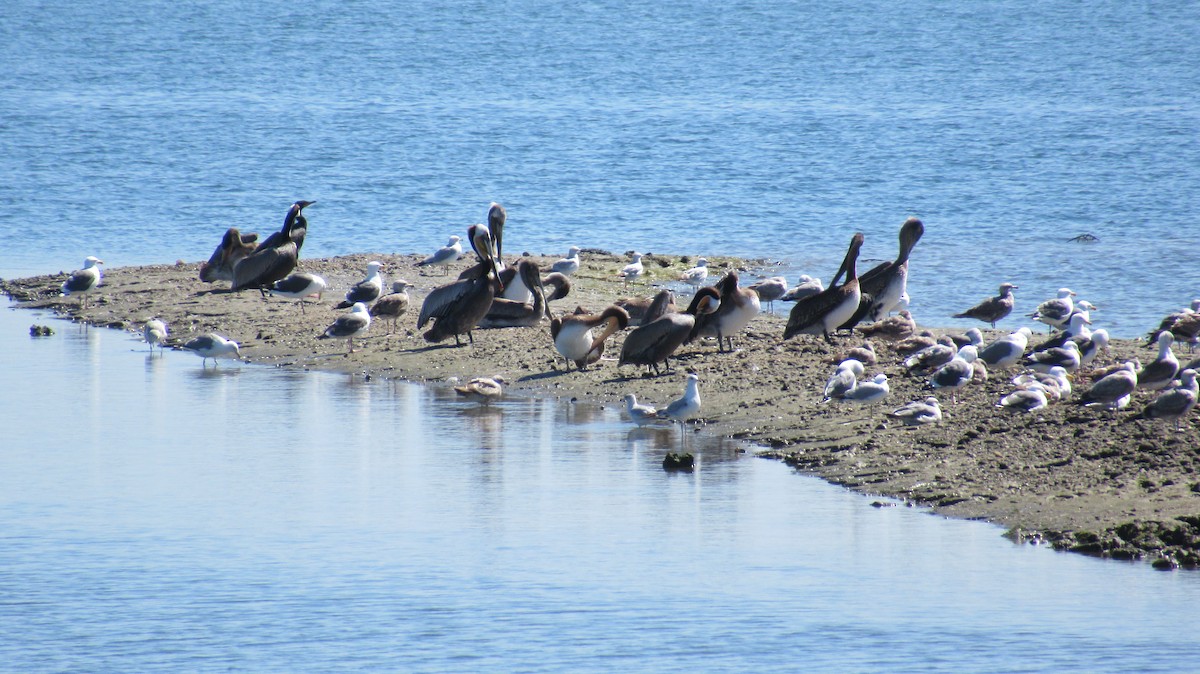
{"type": "Point", "coordinates": [264, 267]}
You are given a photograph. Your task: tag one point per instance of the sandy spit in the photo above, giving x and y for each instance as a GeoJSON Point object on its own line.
{"type": "Point", "coordinates": [1067, 476]}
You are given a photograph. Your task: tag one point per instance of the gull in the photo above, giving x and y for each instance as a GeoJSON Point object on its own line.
{"type": "Point", "coordinates": [973, 336]}
{"type": "Point", "coordinates": [83, 281]}
{"type": "Point", "coordinates": [367, 290]}
{"type": "Point", "coordinates": [393, 305]}
{"type": "Point", "coordinates": [569, 264]}
{"type": "Point", "coordinates": [685, 407]}
{"type": "Point", "coordinates": [1076, 327]}
{"type": "Point", "coordinates": [770, 289]}
{"type": "Point", "coordinates": [639, 413]}
{"type": "Point", "coordinates": [155, 332]}
{"type": "Point", "coordinates": [1066, 356]}
{"type": "Point", "coordinates": [957, 373]}
{"type": "Point", "coordinates": [870, 391]}
{"type": "Point", "coordinates": [993, 309]}
{"type": "Point", "coordinates": [918, 412]}
{"type": "Point", "coordinates": [843, 380]}
{"type": "Point", "coordinates": [349, 325]}
{"type": "Point", "coordinates": [696, 275]}
{"type": "Point", "coordinates": [298, 286]}
{"type": "Point", "coordinates": [212, 346]}
{"type": "Point", "coordinates": [1028, 398]}
{"type": "Point", "coordinates": [864, 354]}
{"type": "Point", "coordinates": [442, 257]}
{"type": "Point", "coordinates": [1162, 370]}
{"type": "Point", "coordinates": [1111, 389]}
{"type": "Point", "coordinates": [1055, 382]}
{"type": "Point", "coordinates": [1055, 312]}
{"type": "Point", "coordinates": [824, 313]}
{"type": "Point", "coordinates": [633, 270]}
{"type": "Point", "coordinates": [806, 286]}
{"type": "Point", "coordinates": [1006, 351]}
{"type": "Point", "coordinates": [482, 389]}
{"type": "Point", "coordinates": [1175, 403]}
{"type": "Point", "coordinates": [931, 358]}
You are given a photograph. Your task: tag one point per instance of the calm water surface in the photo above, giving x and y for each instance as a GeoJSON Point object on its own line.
{"type": "Point", "coordinates": [138, 131]}
{"type": "Point", "coordinates": [163, 516]}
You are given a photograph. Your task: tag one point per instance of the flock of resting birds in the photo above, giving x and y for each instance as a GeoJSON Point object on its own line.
{"type": "Point", "coordinates": [490, 294]}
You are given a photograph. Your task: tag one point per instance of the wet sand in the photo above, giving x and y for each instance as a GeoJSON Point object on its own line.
{"type": "Point", "coordinates": [1067, 476]}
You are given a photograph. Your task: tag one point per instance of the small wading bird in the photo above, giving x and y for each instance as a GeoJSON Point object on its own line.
{"type": "Point", "coordinates": [83, 281]}
{"type": "Point", "coordinates": [349, 325]}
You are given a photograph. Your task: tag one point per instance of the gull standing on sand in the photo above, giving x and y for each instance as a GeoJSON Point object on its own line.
{"type": "Point", "coordinates": [957, 373]}
{"type": "Point", "coordinates": [155, 333]}
{"type": "Point", "coordinates": [1065, 356]}
{"type": "Point", "coordinates": [1056, 383]}
{"type": "Point", "coordinates": [367, 290]}
{"type": "Point", "coordinates": [932, 357]}
{"type": "Point", "coordinates": [351, 325]}
{"type": "Point", "coordinates": [697, 275]}
{"type": "Point", "coordinates": [394, 304]}
{"type": "Point", "coordinates": [1057, 311]}
{"type": "Point", "coordinates": [482, 390]}
{"type": "Point", "coordinates": [992, 309]}
{"type": "Point", "coordinates": [633, 271]}
{"type": "Point", "coordinates": [212, 346]}
{"type": "Point", "coordinates": [770, 289]}
{"type": "Point", "coordinates": [1175, 403]}
{"type": "Point", "coordinates": [843, 380]}
{"type": "Point", "coordinates": [1162, 370]}
{"type": "Point", "coordinates": [83, 281]}
{"type": "Point", "coordinates": [870, 391]}
{"type": "Point", "coordinates": [806, 286]}
{"type": "Point", "coordinates": [639, 413]}
{"type": "Point", "coordinates": [1111, 388]}
{"type": "Point", "coordinates": [443, 256]}
{"type": "Point", "coordinates": [1006, 351]}
{"type": "Point", "coordinates": [569, 264]}
{"type": "Point", "coordinates": [298, 286]}
{"type": "Point", "coordinates": [918, 412]}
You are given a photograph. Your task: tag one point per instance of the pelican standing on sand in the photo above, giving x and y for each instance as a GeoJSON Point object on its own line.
{"type": "Point", "coordinates": [457, 307]}
{"type": "Point", "coordinates": [212, 346]}
{"type": "Point", "coordinates": [883, 285]}
{"type": "Point", "coordinates": [821, 314]}
{"type": "Point", "coordinates": [443, 256]}
{"type": "Point", "coordinates": [299, 286]}
{"type": "Point", "coordinates": [233, 248]}
{"type": "Point", "coordinates": [993, 309]}
{"type": "Point", "coordinates": [276, 257]}
{"type": "Point", "coordinates": [738, 307]}
{"type": "Point", "coordinates": [572, 334]}
{"type": "Point", "coordinates": [351, 325]}
{"type": "Point", "coordinates": [393, 305]}
{"type": "Point", "coordinates": [367, 290]}
{"type": "Point", "coordinates": [655, 342]}
{"type": "Point", "coordinates": [83, 281]}
{"type": "Point", "coordinates": [1006, 351]}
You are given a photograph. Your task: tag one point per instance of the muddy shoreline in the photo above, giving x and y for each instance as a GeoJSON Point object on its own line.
{"type": "Point", "coordinates": [1066, 476]}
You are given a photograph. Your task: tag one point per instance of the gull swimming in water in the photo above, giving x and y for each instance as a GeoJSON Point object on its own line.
{"type": "Point", "coordinates": [367, 290]}
{"type": "Point", "coordinates": [918, 412]}
{"type": "Point", "coordinates": [696, 275]}
{"type": "Point", "coordinates": [442, 257]}
{"type": "Point", "coordinates": [1057, 311]}
{"type": "Point", "coordinates": [83, 281]}
{"type": "Point", "coordinates": [1174, 403]}
{"type": "Point", "coordinates": [482, 390]}
{"type": "Point", "coordinates": [639, 413]}
{"type": "Point", "coordinates": [212, 346]}
{"type": "Point", "coordinates": [633, 271]}
{"type": "Point", "coordinates": [299, 286]}
{"type": "Point", "coordinates": [993, 309]}
{"type": "Point", "coordinates": [349, 325]}
{"type": "Point", "coordinates": [569, 264]}
{"type": "Point", "coordinates": [1162, 370]}
{"type": "Point", "coordinates": [155, 334]}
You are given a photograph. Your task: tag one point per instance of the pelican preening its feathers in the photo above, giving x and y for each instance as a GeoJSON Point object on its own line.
{"type": "Point", "coordinates": [233, 248]}
{"type": "Point", "coordinates": [505, 313]}
{"type": "Point", "coordinates": [573, 338]}
{"type": "Point", "coordinates": [276, 257]}
{"type": "Point", "coordinates": [655, 342]}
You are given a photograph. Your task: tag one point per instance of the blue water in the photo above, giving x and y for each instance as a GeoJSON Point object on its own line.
{"type": "Point", "coordinates": [158, 516]}
{"type": "Point", "coordinates": [163, 516]}
{"type": "Point", "coordinates": [139, 131]}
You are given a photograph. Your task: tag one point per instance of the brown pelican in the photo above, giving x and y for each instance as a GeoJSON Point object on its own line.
{"type": "Point", "coordinates": [350, 325]}
{"type": "Point", "coordinates": [992, 309]}
{"type": "Point", "coordinates": [233, 247]}
{"type": "Point", "coordinates": [393, 305]}
{"type": "Point", "coordinates": [367, 290]}
{"type": "Point", "coordinates": [821, 314]}
{"type": "Point", "coordinates": [83, 281]}
{"type": "Point", "coordinates": [892, 328]}
{"type": "Point", "coordinates": [482, 389]}
{"type": "Point", "coordinates": [646, 310]}
{"type": "Point", "coordinates": [738, 307]}
{"type": "Point", "coordinates": [510, 313]}
{"type": "Point", "coordinates": [457, 307]}
{"type": "Point", "coordinates": [883, 285]}
{"type": "Point", "coordinates": [276, 257]}
{"type": "Point", "coordinates": [633, 271]}
{"type": "Point", "coordinates": [155, 332]}
{"type": "Point", "coordinates": [573, 338]}
{"type": "Point", "coordinates": [299, 286]}
{"type": "Point", "coordinates": [442, 257]}
{"type": "Point", "coordinates": [657, 341]}
{"type": "Point", "coordinates": [212, 346]}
